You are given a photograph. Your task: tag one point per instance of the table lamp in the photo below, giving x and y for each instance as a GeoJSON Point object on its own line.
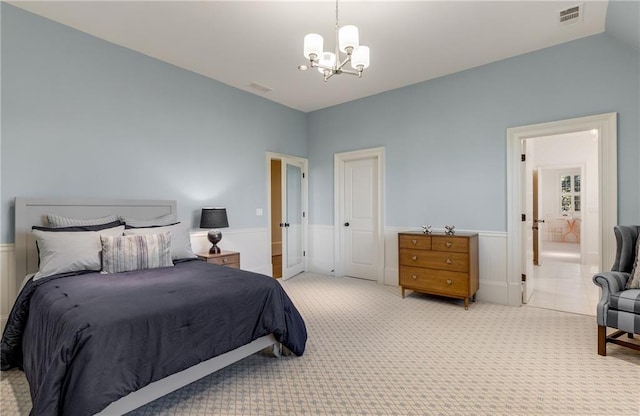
{"type": "Point", "coordinates": [214, 218]}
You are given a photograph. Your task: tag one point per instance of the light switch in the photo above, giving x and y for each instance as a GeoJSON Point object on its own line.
{"type": "Point", "coordinates": [259, 212]}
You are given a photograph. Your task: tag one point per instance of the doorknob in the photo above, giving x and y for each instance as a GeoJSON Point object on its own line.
{"type": "Point", "coordinates": [346, 224]}
{"type": "Point", "coordinates": [281, 224]}
{"type": "Point", "coordinates": [286, 224]}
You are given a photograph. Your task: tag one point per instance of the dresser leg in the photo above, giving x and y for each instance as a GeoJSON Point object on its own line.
{"type": "Point", "coordinates": [466, 303]}
{"type": "Point", "coordinates": [402, 292]}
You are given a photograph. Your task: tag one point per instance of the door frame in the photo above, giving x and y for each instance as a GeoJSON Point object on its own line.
{"type": "Point", "coordinates": [305, 203]}
{"type": "Point", "coordinates": [606, 125]}
{"type": "Point", "coordinates": [340, 159]}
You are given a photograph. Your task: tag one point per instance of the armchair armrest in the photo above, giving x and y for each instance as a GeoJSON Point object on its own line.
{"type": "Point", "coordinates": [610, 282]}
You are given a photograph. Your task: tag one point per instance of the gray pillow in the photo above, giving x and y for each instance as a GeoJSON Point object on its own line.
{"type": "Point", "coordinates": [180, 239]}
{"type": "Point", "coordinates": [74, 251]}
{"type": "Point", "coordinates": [56, 221]}
{"type": "Point", "coordinates": [135, 252]}
{"type": "Point", "coordinates": [161, 221]}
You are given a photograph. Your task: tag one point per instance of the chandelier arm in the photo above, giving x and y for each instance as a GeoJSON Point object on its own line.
{"type": "Point", "coordinates": [346, 61]}
{"type": "Point", "coordinates": [347, 71]}
{"type": "Point", "coordinates": [317, 65]}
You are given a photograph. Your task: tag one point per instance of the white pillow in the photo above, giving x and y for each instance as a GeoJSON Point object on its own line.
{"type": "Point", "coordinates": [180, 239]}
{"type": "Point", "coordinates": [135, 252]}
{"type": "Point", "coordinates": [63, 252]}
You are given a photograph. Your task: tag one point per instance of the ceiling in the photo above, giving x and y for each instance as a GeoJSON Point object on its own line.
{"type": "Point", "coordinates": [242, 42]}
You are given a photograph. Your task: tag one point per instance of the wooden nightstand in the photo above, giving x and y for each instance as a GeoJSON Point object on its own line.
{"type": "Point", "coordinates": [224, 258]}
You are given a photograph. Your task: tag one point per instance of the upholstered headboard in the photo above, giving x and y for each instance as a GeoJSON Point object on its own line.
{"type": "Point", "coordinates": [30, 212]}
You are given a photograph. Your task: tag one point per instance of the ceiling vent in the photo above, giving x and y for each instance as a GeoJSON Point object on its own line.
{"type": "Point", "coordinates": [261, 88]}
{"type": "Point", "coordinates": [571, 15]}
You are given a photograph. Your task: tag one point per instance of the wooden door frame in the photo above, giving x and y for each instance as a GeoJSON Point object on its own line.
{"type": "Point", "coordinates": [606, 124]}
{"type": "Point", "coordinates": [305, 203]}
{"type": "Point", "coordinates": [377, 153]}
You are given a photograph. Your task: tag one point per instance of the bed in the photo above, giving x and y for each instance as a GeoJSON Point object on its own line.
{"type": "Point", "coordinates": [95, 343]}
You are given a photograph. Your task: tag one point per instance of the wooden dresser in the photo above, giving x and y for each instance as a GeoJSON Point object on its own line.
{"type": "Point", "coordinates": [439, 264]}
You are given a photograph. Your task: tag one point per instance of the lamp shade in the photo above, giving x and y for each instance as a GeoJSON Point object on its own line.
{"type": "Point", "coordinates": [348, 37]}
{"type": "Point", "coordinates": [313, 44]}
{"type": "Point", "coordinates": [214, 217]}
{"type": "Point", "coordinates": [360, 58]}
{"type": "Point", "coordinates": [327, 59]}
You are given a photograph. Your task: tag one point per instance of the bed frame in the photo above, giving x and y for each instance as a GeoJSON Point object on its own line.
{"type": "Point", "coordinates": [30, 212]}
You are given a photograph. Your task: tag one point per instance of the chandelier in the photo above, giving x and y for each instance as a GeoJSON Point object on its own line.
{"type": "Point", "coordinates": [332, 63]}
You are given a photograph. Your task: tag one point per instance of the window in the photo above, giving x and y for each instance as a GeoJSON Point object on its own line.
{"type": "Point", "coordinates": [570, 194]}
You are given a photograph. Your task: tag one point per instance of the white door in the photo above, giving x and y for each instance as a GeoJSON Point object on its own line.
{"type": "Point", "coordinates": [360, 218]}
{"type": "Point", "coordinates": [527, 226]}
{"type": "Point", "coordinates": [292, 218]}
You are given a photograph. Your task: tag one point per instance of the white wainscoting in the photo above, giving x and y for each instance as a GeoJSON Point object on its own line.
{"type": "Point", "coordinates": [7, 281]}
{"type": "Point", "coordinates": [251, 243]}
{"type": "Point", "coordinates": [320, 254]}
{"type": "Point", "coordinates": [492, 254]}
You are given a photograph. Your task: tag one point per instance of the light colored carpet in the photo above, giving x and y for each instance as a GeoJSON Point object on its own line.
{"type": "Point", "coordinates": [370, 352]}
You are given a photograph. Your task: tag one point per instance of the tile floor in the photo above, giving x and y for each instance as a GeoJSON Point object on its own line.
{"type": "Point", "coordinates": [562, 283]}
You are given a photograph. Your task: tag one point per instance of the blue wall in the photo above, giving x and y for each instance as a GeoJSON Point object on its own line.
{"type": "Point", "coordinates": [84, 117]}
{"type": "Point", "coordinates": [445, 139]}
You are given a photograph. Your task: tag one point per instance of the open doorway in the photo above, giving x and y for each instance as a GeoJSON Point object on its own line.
{"type": "Point", "coordinates": [288, 222]}
{"type": "Point", "coordinates": [520, 221]}
{"type": "Point", "coordinates": [563, 171]}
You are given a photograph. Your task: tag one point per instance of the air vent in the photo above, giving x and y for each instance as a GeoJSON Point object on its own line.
{"type": "Point", "coordinates": [571, 15]}
{"type": "Point", "coordinates": [259, 87]}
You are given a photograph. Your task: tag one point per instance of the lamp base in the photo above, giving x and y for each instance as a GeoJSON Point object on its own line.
{"type": "Point", "coordinates": [214, 237]}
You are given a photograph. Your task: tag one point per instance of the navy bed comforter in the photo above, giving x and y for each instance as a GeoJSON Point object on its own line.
{"type": "Point", "coordinates": [86, 340]}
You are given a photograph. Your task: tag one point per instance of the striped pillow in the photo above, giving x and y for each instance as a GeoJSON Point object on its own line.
{"type": "Point", "coordinates": [56, 221]}
{"type": "Point", "coordinates": [634, 279]}
{"type": "Point", "coordinates": [135, 252]}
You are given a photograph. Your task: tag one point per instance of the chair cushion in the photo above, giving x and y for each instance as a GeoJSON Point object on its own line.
{"type": "Point", "coordinates": [626, 300]}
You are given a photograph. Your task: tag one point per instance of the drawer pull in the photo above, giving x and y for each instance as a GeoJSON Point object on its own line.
{"type": "Point", "coordinates": [414, 258]}
{"type": "Point", "coordinates": [414, 242]}
{"type": "Point", "coordinates": [414, 277]}
{"type": "Point", "coordinates": [448, 261]}
{"type": "Point", "coordinates": [448, 244]}
{"type": "Point", "coordinates": [449, 281]}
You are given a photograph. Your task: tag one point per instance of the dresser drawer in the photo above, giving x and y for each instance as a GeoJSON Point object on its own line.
{"type": "Point", "coordinates": [418, 242]}
{"type": "Point", "coordinates": [441, 281]}
{"type": "Point", "coordinates": [450, 244]}
{"type": "Point", "coordinates": [226, 258]}
{"type": "Point", "coordinates": [456, 262]}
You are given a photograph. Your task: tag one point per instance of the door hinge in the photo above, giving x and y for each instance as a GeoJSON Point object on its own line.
{"type": "Point", "coordinates": [523, 217]}
{"type": "Point", "coordinates": [302, 175]}
{"type": "Point", "coordinates": [523, 158]}
{"type": "Point", "coordinates": [304, 253]}
{"type": "Point", "coordinates": [304, 214]}
{"type": "Point", "coordinates": [524, 277]}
